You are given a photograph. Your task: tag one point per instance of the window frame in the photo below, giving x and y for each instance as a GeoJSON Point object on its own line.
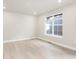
{"type": "Point", "coordinates": [56, 36]}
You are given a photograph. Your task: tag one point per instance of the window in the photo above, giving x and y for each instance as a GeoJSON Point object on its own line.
{"type": "Point", "coordinates": [53, 25]}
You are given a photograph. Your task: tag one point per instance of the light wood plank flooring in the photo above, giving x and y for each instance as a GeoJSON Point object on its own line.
{"type": "Point", "coordinates": [35, 49]}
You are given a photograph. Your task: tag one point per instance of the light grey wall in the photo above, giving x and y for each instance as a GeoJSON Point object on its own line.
{"type": "Point", "coordinates": [69, 18]}
{"type": "Point", "coordinates": [17, 26]}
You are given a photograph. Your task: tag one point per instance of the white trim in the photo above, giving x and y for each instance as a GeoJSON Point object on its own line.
{"type": "Point", "coordinates": [56, 36]}
{"type": "Point", "coordinates": [9, 41]}
{"type": "Point", "coordinates": [59, 44]}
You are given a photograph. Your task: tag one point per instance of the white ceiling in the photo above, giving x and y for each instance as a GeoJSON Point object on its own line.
{"type": "Point", "coordinates": [32, 6]}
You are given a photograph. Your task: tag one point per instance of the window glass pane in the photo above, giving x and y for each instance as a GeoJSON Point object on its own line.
{"type": "Point", "coordinates": [58, 25]}
{"type": "Point", "coordinates": [55, 33]}
{"type": "Point", "coordinates": [55, 28]}
{"type": "Point", "coordinates": [49, 30]}
{"type": "Point", "coordinates": [59, 33]}
{"type": "Point", "coordinates": [59, 28]}
{"type": "Point", "coordinates": [49, 27]}
{"type": "Point", "coordinates": [58, 19]}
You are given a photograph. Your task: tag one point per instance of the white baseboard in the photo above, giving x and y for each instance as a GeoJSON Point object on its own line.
{"type": "Point", "coordinates": [9, 41]}
{"type": "Point", "coordinates": [59, 44]}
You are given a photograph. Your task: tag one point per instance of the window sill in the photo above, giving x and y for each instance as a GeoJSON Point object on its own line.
{"type": "Point", "coordinates": [54, 36]}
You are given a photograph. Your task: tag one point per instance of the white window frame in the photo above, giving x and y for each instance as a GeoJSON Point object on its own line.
{"type": "Point", "coordinates": [52, 35]}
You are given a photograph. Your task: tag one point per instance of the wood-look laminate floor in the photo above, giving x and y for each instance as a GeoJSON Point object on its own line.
{"type": "Point", "coordinates": [35, 49]}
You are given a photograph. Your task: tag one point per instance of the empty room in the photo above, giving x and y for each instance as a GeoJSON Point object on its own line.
{"type": "Point", "coordinates": [39, 29]}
